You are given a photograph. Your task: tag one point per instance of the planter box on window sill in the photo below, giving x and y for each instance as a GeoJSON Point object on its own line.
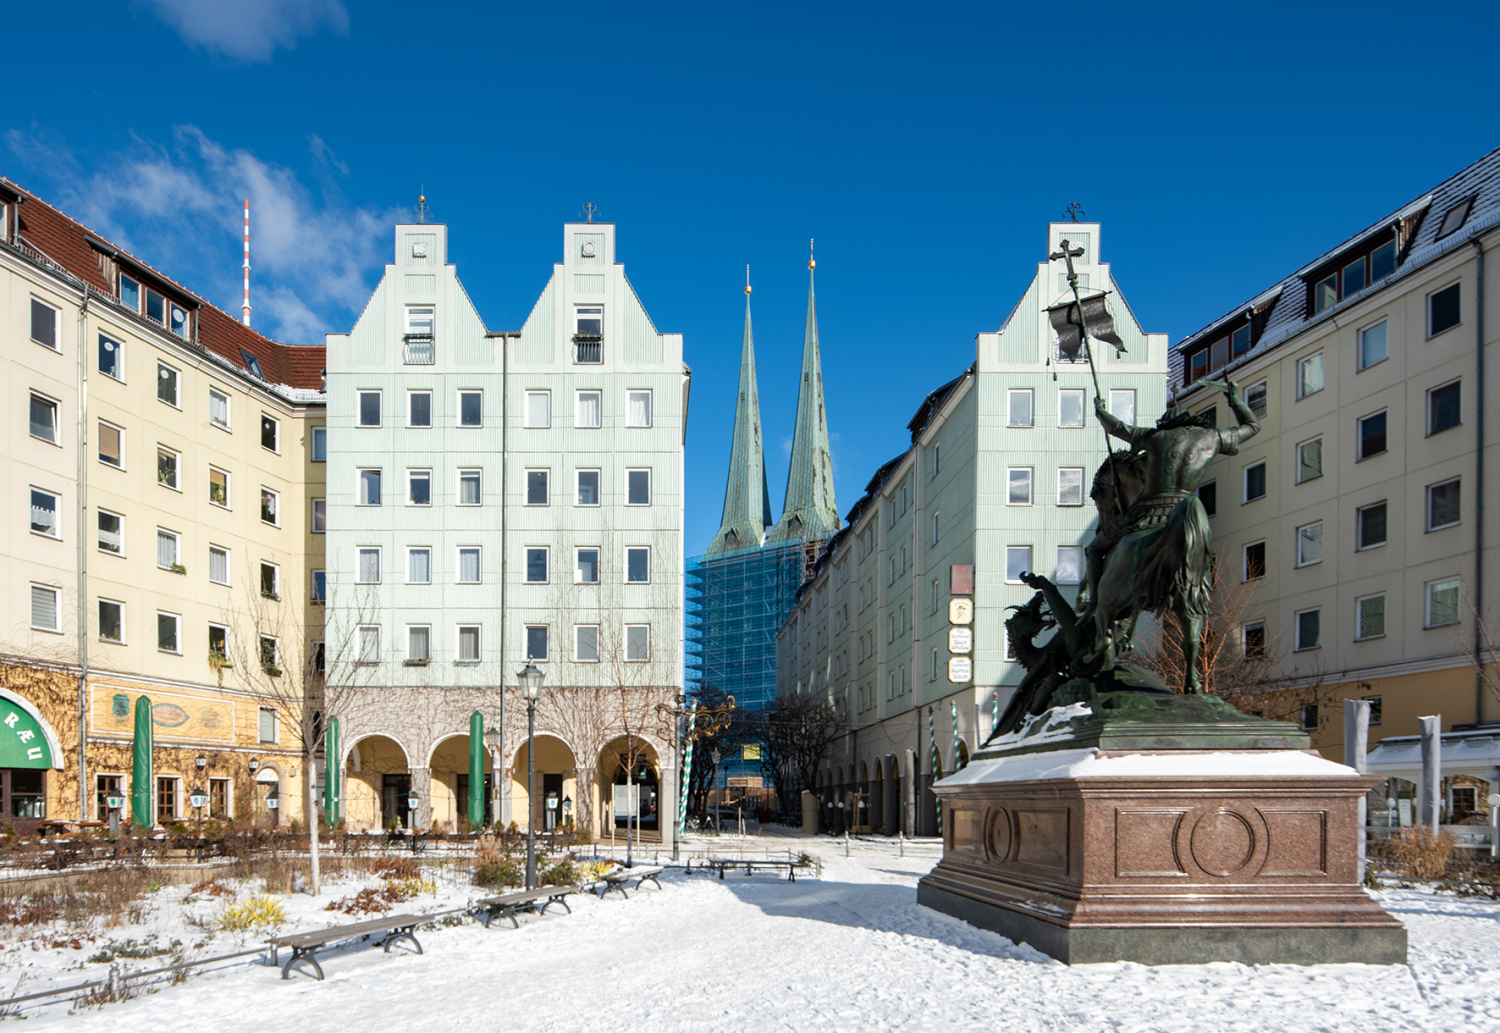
{"type": "Point", "coordinates": [177, 568]}
{"type": "Point", "coordinates": [270, 595]}
{"type": "Point", "coordinates": [274, 672]}
{"type": "Point", "coordinates": [415, 663]}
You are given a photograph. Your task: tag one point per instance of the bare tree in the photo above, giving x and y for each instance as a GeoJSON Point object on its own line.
{"type": "Point", "coordinates": [795, 733]}
{"type": "Point", "coordinates": [733, 731]}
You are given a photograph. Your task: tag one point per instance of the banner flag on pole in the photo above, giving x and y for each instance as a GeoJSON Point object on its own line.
{"type": "Point", "coordinates": [1069, 328]}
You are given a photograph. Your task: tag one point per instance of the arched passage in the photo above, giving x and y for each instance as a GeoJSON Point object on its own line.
{"type": "Point", "coordinates": [635, 800]}
{"type": "Point", "coordinates": [892, 793]}
{"type": "Point", "coordinates": [556, 785]}
{"type": "Point", "coordinates": [449, 767]}
{"type": "Point", "coordinates": [877, 797]}
{"type": "Point", "coordinates": [377, 775]}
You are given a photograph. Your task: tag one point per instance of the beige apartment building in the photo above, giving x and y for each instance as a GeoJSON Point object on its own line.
{"type": "Point", "coordinates": [1351, 532]}
{"type": "Point", "coordinates": [162, 533]}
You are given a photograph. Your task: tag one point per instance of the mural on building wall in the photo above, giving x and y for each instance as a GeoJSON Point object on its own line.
{"type": "Point", "coordinates": [175, 715]}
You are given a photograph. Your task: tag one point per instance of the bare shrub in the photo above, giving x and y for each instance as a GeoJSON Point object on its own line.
{"type": "Point", "coordinates": [1421, 854]}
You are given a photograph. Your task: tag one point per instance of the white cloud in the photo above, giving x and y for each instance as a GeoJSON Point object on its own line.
{"type": "Point", "coordinates": [179, 208]}
{"type": "Point", "coordinates": [248, 30]}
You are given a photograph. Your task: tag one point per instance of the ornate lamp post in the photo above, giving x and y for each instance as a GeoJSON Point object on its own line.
{"type": "Point", "coordinates": [531, 677]}
{"type": "Point", "coordinates": [115, 801]}
{"type": "Point", "coordinates": [199, 799]}
{"type": "Point", "coordinates": [494, 740]}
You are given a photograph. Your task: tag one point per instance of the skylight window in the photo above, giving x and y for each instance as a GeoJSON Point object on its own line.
{"type": "Point", "coordinates": [1456, 217]}
{"type": "Point", "coordinates": [252, 364]}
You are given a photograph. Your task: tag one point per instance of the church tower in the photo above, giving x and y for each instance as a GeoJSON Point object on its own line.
{"type": "Point", "coordinates": [747, 502]}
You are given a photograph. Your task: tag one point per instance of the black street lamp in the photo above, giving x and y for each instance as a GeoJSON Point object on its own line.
{"type": "Point", "coordinates": [413, 801]}
{"type": "Point", "coordinates": [199, 799]}
{"type": "Point", "coordinates": [495, 739]}
{"type": "Point", "coordinates": [531, 677]}
{"type": "Point", "coordinates": [718, 807]}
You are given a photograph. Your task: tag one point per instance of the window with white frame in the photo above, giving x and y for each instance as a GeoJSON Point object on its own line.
{"type": "Point", "coordinates": [419, 408]}
{"type": "Point", "coordinates": [536, 487]}
{"type": "Point", "coordinates": [1373, 347]}
{"type": "Point", "coordinates": [369, 487]}
{"type": "Point", "coordinates": [1255, 398]}
{"type": "Point", "coordinates": [369, 644]}
{"type": "Point", "coordinates": [168, 633]}
{"type": "Point", "coordinates": [421, 320]}
{"type": "Point", "coordinates": [1070, 407]}
{"type": "Point", "coordinates": [166, 384]}
{"type": "Point", "coordinates": [218, 487]}
{"type": "Point", "coordinates": [319, 592]}
{"type": "Point", "coordinates": [419, 565]}
{"type": "Point", "coordinates": [319, 516]}
{"type": "Point", "coordinates": [167, 555]}
{"type": "Point", "coordinates": [1443, 408]}
{"type": "Point", "coordinates": [937, 458]}
{"type": "Point", "coordinates": [1371, 436]}
{"type": "Point", "coordinates": [270, 433]}
{"type": "Point", "coordinates": [1309, 629]}
{"type": "Point", "coordinates": [1070, 486]}
{"type": "Point", "coordinates": [1442, 310]}
{"type": "Point", "coordinates": [586, 566]}
{"type": "Point", "coordinates": [1255, 481]}
{"type": "Point", "coordinates": [111, 445]}
{"type": "Point", "coordinates": [1018, 407]}
{"type": "Point", "coordinates": [1069, 565]}
{"type": "Point", "coordinates": [1310, 460]}
{"type": "Point", "coordinates": [1370, 526]}
{"type": "Point", "coordinates": [637, 487]}
{"type": "Point", "coordinates": [111, 533]}
{"type": "Point", "coordinates": [44, 609]}
{"type": "Point", "coordinates": [638, 409]}
{"type": "Point", "coordinates": [470, 488]}
{"type": "Point", "coordinates": [418, 643]}
{"type": "Point", "coordinates": [419, 487]}
{"type": "Point", "coordinates": [218, 408]}
{"type": "Point", "coordinates": [1309, 375]}
{"type": "Point", "coordinates": [468, 565]}
{"type": "Point", "coordinates": [536, 642]}
{"type": "Point", "coordinates": [1310, 544]}
{"type": "Point", "coordinates": [111, 358]}
{"type": "Point", "coordinates": [1442, 602]}
{"type": "Point", "coordinates": [111, 621]}
{"type": "Point", "coordinates": [468, 644]}
{"type": "Point", "coordinates": [369, 408]}
{"type": "Point", "coordinates": [588, 409]}
{"type": "Point", "coordinates": [167, 461]}
{"type": "Point", "coordinates": [471, 408]}
{"type": "Point", "coordinates": [270, 507]}
{"type": "Point", "coordinates": [1018, 486]}
{"type": "Point", "coordinates": [44, 324]}
{"type": "Point", "coordinates": [270, 580]}
{"type": "Point", "coordinates": [937, 526]}
{"type": "Point", "coordinates": [638, 565]}
{"type": "Point", "coordinates": [44, 419]}
{"type": "Point", "coordinates": [218, 564]}
{"type": "Point", "coordinates": [637, 642]}
{"type": "Point", "coordinates": [536, 564]}
{"type": "Point", "coordinates": [1443, 504]}
{"type": "Point", "coordinates": [1017, 561]}
{"type": "Point", "coordinates": [44, 513]}
{"type": "Point", "coordinates": [586, 643]}
{"type": "Point", "coordinates": [538, 411]}
{"type": "Point", "coordinates": [588, 488]}
{"type": "Point", "coordinates": [1369, 617]}
{"type": "Point", "coordinates": [1122, 404]}
{"type": "Point", "coordinates": [270, 654]}
{"type": "Point", "coordinates": [936, 596]}
{"type": "Point", "coordinates": [369, 565]}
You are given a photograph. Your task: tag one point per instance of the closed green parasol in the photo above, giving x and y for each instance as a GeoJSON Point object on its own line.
{"type": "Point", "coordinates": [476, 770]}
{"type": "Point", "coordinates": [333, 773]}
{"type": "Point", "coordinates": [142, 774]}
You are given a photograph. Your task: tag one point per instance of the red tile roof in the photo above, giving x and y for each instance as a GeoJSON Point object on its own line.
{"type": "Point", "coordinates": [65, 241]}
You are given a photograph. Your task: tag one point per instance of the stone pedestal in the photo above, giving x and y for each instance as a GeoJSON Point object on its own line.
{"type": "Point", "coordinates": [1170, 857]}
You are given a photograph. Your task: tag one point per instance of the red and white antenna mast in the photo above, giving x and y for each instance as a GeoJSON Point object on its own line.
{"type": "Point", "coordinates": [245, 317]}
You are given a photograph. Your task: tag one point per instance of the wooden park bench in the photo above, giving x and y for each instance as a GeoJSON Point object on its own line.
{"type": "Point", "coordinates": [617, 879]}
{"type": "Point", "coordinates": [507, 904]}
{"type": "Point", "coordinates": [307, 945]}
{"type": "Point", "coordinates": [753, 865]}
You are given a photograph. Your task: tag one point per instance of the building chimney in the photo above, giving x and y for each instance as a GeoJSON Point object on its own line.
{"type": "Point", "coordinates": [245, 317]}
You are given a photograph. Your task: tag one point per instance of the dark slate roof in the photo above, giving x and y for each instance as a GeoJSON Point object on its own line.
{"type": "Point", "coordinates": [1288, 315]}
{"type": "Point", "coordinates": [932, 403]}
{"type": "Point", "coordinates": [73, 247]}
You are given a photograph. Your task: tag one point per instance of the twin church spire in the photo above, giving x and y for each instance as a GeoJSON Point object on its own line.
{"type": "Point", "coordinates": [809, 511]}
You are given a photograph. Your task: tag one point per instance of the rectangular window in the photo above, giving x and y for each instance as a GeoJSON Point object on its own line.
{"type": "Point", "coordinates": [1253, 639]}
{"type": "Point", "coordinates": [469, 488]}
{"type": "Point", "coordinates": [218, 798]}
{"type": "Point", "coordinates": [937, 458]}
{"type": "Point", "coordinates": [638, 409]}
{"type": "Point", "coordinates": [1369, 617]}
{"type": "Point", "coordinates": [130, 293]}
{"type": "Point", "coordinates": [638, 487]}
{"type": "Point", "coordinates": [166, 549]}
{"type": "Point", "coordinates": [252, 364]}
{"type": "Point", "coordinates": [44, 324]}
{"type": "Point", "coordinates": [218, 408]}
{"type": "Point", "coordinates": [369, 408]}
{"type": "Point", "coordinates": [638, 642]}
{"type": "Point", "coordinates": [586, 566]}
{"type": "Point", "coordinates": [1122, 405]}
{"type": "Point", "coordinates": [369, 565]}
{"type": "Point", "coordinates": [1371, 436]}
{"type": "Point", "coordinates": [269, 655]}
{"type": "Point", "coordinates": [218, 487]}
{"type": "Point", "coordinates": [471, 408]}
{"type": "Point", "coordinates": [270, 580]}
{"type": "Point", "coordinates": [1255, 399]}
{"type": "Point", "coordinates": [167, 626]}
{"type": "Point", "coordinates": [270, 433]}
{"type": "Point", "coordinates": [319, 587]}
{"type": "Point", "coordinates": [44, 506]}
{"type": "Point", "coordinates": [1310, 718]}
{"type": "Point", "coordinates": [218, 564]}
{"type": "Point", "coordinates": [1070, 486]}
{"type": "Point", "coordinates": [1370, 526]}
{"type": "Point", "coordinates": [1373, 347]}
{"type": "Point", "coordinates": [536, 487]}
{"type": "Point", "coordinates": [111, 358]}
{"type": "Point", "coordinates": [1443, 505]}
{"type": "Point", "coordinates": [166, 384]}
{"type": "Point", "coordinates": [111, 621]}
{"type": "Point", "coordinates": [1018, 491]}
{"type": "Point", "coordinates": [1443, 408]}
{"type": "Point", "coordinates": [538, 411]}
{"type": "Point", "coordinates": [1310, 375]}
{"type": "Point", "coordinates": [319, 516]}
{"type": "Point", "coordinates": [419, 565]}
{"type": "Point", "coordinates": [419, 487]}
{"type": "Point", "coordinates": [369, 644]}
{"type": "Point", "coordinates": [1309, 629]}
{"type": "Point", "coordinates": [267, 724]}
{"type": "Point", "coordinates": [586, 643]}
{"type": "Point", "coordinates": [1442, 310]}
{"type": "Point", "coordinates": [1069, 565]}
{"type": "Point", "coordinates": [1442, 602]}
{"type": "Point", "coordinates": [418, 643]}
{"type": "Point", "coordinates": [419, 408]}
{"type": "Point", "coordinates": [637, 565]}
{"type": "Point", "coordinates": [1070, 407]}
{"type": "Point", "coordinates": [468, 643]}
{"type": "Point", "coordinates": [44, 610]}
{"type": "Point", "coordinates": [1255, 481]}
{"type": "Point", "coordinates": [1310, 544]}
{"type": "Point", "coordinates": [320, 444]}
{"type": "Point", "coordinates": [270, 507]}
{"type": "Point", "coordinates": [166, 799]}
{"type": "Point", "coordinates": [1375, 709]}
{"type": "Point", "coordinates": [111, 445]}
{"type": "Point", "coordinates": [468, 565]}
{"type": "Point", "coordinates": [166, 468]}
{"type": "Point", "coordinates": [421, 320]}
{"type": "Point", "coordinates": [44, 419]}
{"type": "Point", "coordinates": [111, 533]}
{"type": "Point", "coordinates": [536, 565]}
{"type": "Point", "coordinates": [588, 487]}
{"type": "Point", "coordinates": [218, 641]}
{"type": "Point", "coordinates": [936, 527]}
{"type": "Point", "coordinates": [589, 322]}
{"type": "Point", "coordinates": [1255, 561]}
{"type": "Point", "coordinates": [369, 487]}
{"type": "Point", "coordinates": [536, 642]}
{"type": "Point", "coordinates": [589, 409]}
{"type": "Point", "coordinates": [1208, 494]}
{"type": "Point", "coordinates": [1018, 407]}
{"type": "Point", "coordinates": [1017, 561]}
{"type": "Point", "coordinates": [1310, 460]}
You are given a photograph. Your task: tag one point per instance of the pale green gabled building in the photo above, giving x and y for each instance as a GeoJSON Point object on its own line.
{"type": "Point", "coordinates": [996, 481]}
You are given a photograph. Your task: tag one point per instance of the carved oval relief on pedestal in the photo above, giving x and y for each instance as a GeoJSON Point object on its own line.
{"type": "Point", "coordinates": [1223, 842]}
{"type": "Point", "coordinates": [997, 833]}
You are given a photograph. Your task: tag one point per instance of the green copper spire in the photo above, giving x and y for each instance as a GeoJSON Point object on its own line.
{"type": "Point", "coordinates": [810, 511]}
{"type": "Point", "coordinates": [747, 502]}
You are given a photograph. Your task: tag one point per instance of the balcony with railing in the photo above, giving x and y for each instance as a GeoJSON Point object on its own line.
{"type": "Point", "coordinates": [420, 350]}
{"type": "Point", "coordinates": [588, 348]}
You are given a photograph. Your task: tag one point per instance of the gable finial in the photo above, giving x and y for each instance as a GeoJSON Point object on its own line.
{"type": "Point", "coordinates": [1075, 211]}
{"type": "Point", "coordinates": [589, 210]}
{"type": "Point", "coordinates": [421, 211]}
{"type": "Point", "coordinates": [811, 262]}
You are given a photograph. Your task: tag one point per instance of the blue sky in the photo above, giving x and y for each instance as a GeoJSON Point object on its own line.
{"type": "Point", "coordinates": [924, 147]}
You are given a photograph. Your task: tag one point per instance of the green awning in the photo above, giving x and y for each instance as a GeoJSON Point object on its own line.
{"type": "Point", "coordinates": [26, 740]}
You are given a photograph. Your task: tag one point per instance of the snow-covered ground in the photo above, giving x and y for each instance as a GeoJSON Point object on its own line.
{"type": "Point", "coordinates": [849, 951]}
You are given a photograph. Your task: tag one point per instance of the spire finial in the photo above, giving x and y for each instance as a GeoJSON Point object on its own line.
{"type": "Point", "coordinates": [811, 262]}
{"type": "Point", "coordinates": [421, 211]}
{"type": "Point", "coordinates": [747, 279]}
{"type": "Point", "coordinates": [1075, 211]}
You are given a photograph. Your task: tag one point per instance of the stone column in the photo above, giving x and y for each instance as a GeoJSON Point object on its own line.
{"type": "Point", "coordinates": [1430, 798]}
{"type": "Point", "coordinates": [909, 785]}
{"type": "Point", "coordinates": [421, 781]}
{"type": "Point", "coordinates": [1356, 754]}
{"type": "Point", "coordinates": [666, 806]}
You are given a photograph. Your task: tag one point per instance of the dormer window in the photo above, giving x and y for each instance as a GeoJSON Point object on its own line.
{"type": "Point", "coordinates": [1456, 217]}
{"type": "Point", "coordinates": [1204, 360]}
{"type": "Point", "coordinates": [252, 363]}
{"type": "Point", "coordinates": [161, 310]}
{"type": "Point", "coordinates": [1352, 274]}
